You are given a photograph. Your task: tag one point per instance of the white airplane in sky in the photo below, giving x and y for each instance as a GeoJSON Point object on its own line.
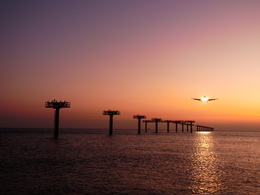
{"type": "Point", "coordinates": [204, 99]}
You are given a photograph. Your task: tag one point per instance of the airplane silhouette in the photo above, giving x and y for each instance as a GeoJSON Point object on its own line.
{"type": "Point", "coordinates": [204, 99]}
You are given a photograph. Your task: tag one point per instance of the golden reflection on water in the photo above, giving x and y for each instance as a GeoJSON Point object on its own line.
{"type": "Point", "coordinates": [205, 173]}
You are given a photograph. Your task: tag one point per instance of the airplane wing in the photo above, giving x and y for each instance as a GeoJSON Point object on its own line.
{"type": "Point", "coordinates": [212, 99]}
{"type": "Point", "coordinates": [196, 99]}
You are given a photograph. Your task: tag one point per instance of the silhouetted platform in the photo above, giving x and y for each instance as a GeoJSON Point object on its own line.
{"type": "Point", "coordinates": [111, 112]}
{"type": "Point", "coordinates": [55, 104]}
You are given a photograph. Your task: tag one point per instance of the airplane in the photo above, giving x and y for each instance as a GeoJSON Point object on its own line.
{"type": "Point", "coordinates": [204, 99]}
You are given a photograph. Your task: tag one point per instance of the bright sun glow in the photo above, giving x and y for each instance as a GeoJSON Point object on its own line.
{"type": "Point", "coordinates": [204, 99]}
{"type": "Point", "coordinates": [204, 132]}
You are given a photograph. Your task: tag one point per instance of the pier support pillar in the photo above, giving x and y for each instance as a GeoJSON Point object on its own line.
{"type": "Point", "coordinates": [139, 117]}
{"type": "Point", "coordinates": [111, 125]}
{"type": "Point", "coordinates": [156, 126]}
{"type": "Point", "coordinates": [56, 107]}
{"type": "Point", "coordinates": [111, 113]}
{"type": "Point", "coordinates": [139, 126]}
{"type": "Point", "coordinates": [56, 123]}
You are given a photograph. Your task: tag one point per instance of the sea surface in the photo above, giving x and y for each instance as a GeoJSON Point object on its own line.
{"type": "Point", "coordinates": [84, 161]}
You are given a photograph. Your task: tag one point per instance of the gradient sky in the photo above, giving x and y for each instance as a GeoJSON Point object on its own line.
{"type": "Point", "coordinates": [140, 57]}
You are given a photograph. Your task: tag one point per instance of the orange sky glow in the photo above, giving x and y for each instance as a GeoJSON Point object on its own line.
{"type": "Point", "coordinates": [139, 57]}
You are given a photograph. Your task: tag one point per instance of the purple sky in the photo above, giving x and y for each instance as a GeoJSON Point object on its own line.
{"type": "Point", "coordinates": [140, 57]}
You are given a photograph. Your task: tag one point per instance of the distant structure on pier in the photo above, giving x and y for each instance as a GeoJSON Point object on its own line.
{"type": "Point", "coordinates": [139, 117]}
{"type": "Point", "coordinates": [57, 106]}
{"type": "Point", "coordinates": [111, 113]}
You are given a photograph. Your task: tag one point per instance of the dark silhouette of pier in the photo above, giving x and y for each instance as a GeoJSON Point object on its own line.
{"type": "Point", "coordinates": [168, 125]}
{"type": "Point", "coordinates": [153, 120]}
{"type": "Point", "coordinates": [111, 113]}
{"type": "Point", "coordinates": [139, 117]}
{"type": "Point", "coordinates": [204, 128]}
{"type": "Point", "coordinates": [57, 106]}
{"type": "Point", "coordinates": [188, 123]}
{"type": "Point", "coordinates": [156, 120]}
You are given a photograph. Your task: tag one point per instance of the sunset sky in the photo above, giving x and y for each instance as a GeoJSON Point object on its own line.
{"type": "Point", "coordinates": [140, 57]}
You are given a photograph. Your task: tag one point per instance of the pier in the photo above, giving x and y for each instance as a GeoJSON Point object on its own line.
{"type": "Point", "coordinates": [139, 117]}
{"type": "Point", "coordinates": [204, 128]}
{"type": "Point", "coordinates": [168, 125]}
{"type": "Point", "coordinates": [111, 113]}
{"type": "Point", "coordinates": [188, 123]}
{"type": "Point", "coordinates": [153, 120]}
{"type": "Point", "coordinates": [57, 106]}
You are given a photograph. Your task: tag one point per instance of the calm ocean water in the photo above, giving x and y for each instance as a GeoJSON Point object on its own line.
{"type": "Point", "coordinates": [92, 162]}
